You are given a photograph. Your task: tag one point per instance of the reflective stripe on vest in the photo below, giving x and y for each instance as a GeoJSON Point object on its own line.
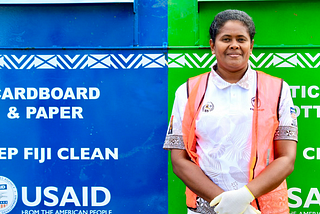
{"type": "Point", "coordinates": [264, 124]}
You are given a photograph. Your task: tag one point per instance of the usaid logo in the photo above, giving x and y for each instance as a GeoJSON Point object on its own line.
{"type": "Point", "coordinates": [8, 195]}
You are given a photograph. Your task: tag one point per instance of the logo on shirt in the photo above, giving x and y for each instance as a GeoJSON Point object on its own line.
{"type": "Point", "coordinates": [293, 116]}
{"type": "Point", "coordinates": [171, 125]}
{"type": "Point", "coordinates": [293, 113]}
{"type": "Point", "coordinates": [253, 100]}
{"type": "Point", "coordinates": [208, 107]}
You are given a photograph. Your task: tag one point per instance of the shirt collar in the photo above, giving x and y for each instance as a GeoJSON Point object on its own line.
{"type": "Point", "coordinates": [245, 82]}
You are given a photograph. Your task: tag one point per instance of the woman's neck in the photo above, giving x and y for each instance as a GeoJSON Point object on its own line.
{"type": "Point", "coordinates": [231, 76]}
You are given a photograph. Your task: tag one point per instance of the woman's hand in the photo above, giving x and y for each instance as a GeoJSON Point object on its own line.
{"type": "Point", "coordinates": [251, 210]}
{"type": "Point", "coordinates": [233, 202]}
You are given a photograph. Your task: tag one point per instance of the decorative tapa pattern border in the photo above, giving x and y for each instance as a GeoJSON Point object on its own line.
{"type": "Point", "coordinates": [83, 61]}
{"type": "Point", "coordinates": [136, 61]}
{"type": "Point", "coordinates": [262, 60]}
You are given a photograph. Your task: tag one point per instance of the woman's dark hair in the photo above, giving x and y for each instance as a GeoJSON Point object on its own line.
{"type": "Point", "coordinates": [221, 18]}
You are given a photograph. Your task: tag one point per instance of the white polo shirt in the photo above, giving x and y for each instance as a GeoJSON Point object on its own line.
{"type": "Point", "coordinates": [223, 127]}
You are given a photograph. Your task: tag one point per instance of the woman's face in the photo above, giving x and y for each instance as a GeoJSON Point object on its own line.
{"type": "Point", "coordinates": [232, 47]}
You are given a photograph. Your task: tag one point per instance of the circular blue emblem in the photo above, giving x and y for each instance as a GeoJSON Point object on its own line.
{"type": "Point", "coordinates": [8, 195]}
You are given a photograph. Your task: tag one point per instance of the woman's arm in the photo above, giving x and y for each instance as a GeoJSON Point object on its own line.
{"type": "Point", "coordinates": [193, 176]}
{"type": "Point", "coordinates": [274, 174]}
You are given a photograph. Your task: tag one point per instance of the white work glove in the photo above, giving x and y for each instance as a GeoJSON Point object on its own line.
{"type": "Point", "coordinates": [233, 202]}
{"type": "Point", "coordinates": [251, 210]}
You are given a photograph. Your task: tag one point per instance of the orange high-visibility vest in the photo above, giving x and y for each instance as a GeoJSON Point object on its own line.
{"type": "Point", "coordinates": [264, 124]}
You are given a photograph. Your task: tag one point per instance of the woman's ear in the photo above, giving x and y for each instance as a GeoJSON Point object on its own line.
{"type": "Point", "coordinates": [211, 46]}
{"type": "Point", "coordinates": [251, 46]}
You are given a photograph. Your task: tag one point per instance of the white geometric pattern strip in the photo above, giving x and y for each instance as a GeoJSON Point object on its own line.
{"type": "Point", "coordinates": [137, 61]}
{"type": "Point", "coordinates": [262, 60]}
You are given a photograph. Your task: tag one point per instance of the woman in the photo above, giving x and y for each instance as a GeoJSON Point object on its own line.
{"type": "Point", "coordinates": [233, 131]}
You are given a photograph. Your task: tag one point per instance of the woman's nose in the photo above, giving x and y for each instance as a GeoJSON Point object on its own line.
{"type": "Point", "coordinates": [234, 45]}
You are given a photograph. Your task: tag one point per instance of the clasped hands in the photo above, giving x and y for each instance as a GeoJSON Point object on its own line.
{"type": "Point", "coordinates": [234, 202]}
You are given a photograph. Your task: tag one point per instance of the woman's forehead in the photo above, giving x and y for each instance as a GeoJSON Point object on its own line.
{"type": "Point", "coordinates": [234, 27]}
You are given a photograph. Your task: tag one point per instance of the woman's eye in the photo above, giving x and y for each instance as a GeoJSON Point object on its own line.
{"type": "Point", "coordinates": [226, 39]}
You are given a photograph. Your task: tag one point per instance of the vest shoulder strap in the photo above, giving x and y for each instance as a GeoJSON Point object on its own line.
{"type": "Point", "coordinates": [268, 90]}
{"type": "Point", "coordinates": [271, 82]}
{"type": "Point", "coordinates": [196, 88]}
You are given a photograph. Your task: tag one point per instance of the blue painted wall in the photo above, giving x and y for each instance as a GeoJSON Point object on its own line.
{"type": "Point", "coordinates": [117, 49]}
{"type": "Point", "coordinates": [143, 23]}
